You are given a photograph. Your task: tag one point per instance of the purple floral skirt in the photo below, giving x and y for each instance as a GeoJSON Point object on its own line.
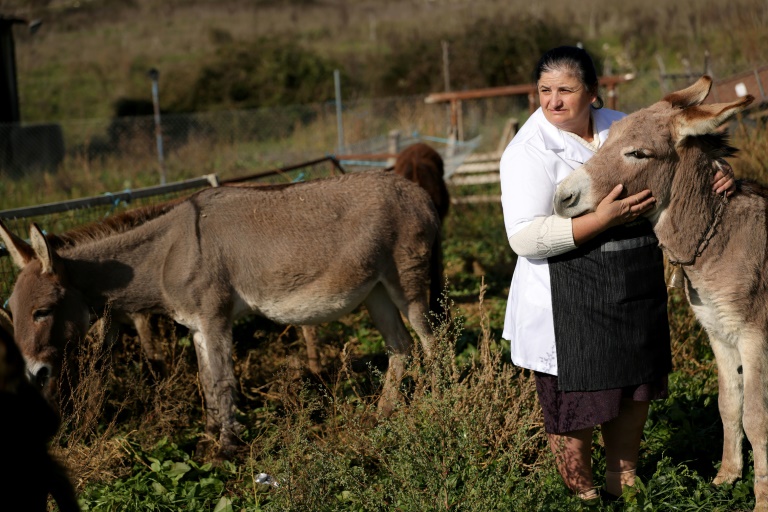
{"type": "Point", "coordinates": [566, 411]}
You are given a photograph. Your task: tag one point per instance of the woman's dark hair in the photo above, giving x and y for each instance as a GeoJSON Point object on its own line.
{"type": "Point", "coordinates": [575, 61]}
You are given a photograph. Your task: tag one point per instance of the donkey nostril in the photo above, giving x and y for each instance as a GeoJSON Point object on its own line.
{"type": "Point", "coordinates": [42, 376]}
{"type": "Point", "coordinates": [569, 199]}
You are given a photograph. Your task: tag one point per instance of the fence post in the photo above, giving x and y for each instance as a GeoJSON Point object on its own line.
{"type": "Point", "coordinates": [154, 75]}
{"type": "Point", "coordinates": [393, 147]}
{"type": "Point", "coordinates": [339, 123]}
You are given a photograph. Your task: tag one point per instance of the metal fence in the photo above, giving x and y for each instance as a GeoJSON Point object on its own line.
{"type": "Point", "coordinates": [232, 145]}
{"type": "Point", "coordinates": [63, 216]}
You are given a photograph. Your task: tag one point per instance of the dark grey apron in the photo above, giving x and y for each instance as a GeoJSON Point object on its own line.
{"type": "Point", "coordinates": [609, 303]}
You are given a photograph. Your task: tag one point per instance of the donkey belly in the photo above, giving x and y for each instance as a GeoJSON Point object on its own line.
{"type": "Point", "coordinates": [311, 304]}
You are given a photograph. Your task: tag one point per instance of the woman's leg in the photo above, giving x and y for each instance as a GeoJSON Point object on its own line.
{"type": "Point", "coordinates": [622, 437]}
{"type": "Point", "coordinates": [573, 454]}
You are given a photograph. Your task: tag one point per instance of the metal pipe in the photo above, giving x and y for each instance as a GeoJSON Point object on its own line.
{"type": "Point", "coordinates": [154, 75]}
{"type": "Point", "coordinates": [339, 123]}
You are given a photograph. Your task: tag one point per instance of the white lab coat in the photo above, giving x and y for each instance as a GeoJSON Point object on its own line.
{"type": "Point", "coordinates": [537, 159]}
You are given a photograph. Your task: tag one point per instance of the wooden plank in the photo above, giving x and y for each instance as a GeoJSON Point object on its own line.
{"type": "Point", "coordinates": [476, 199]}
{"type": "Point", "coordinates": [483, 157]}
{"type": "Point", "coordinates": [478, 167]}
{"type": "Point", "coordinates": [475, 180]}
{"type": "Point", "coordinates": [509, 90]}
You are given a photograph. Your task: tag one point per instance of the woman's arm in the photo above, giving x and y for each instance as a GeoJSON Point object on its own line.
{"type": "Point", "coordinates": [544, 237]}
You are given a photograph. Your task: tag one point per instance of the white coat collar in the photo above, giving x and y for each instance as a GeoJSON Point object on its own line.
{"type": "Point", "coordinates": [555, 140]}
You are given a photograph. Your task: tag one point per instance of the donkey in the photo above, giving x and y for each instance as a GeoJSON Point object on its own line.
{"type": "Point", "coordinates": [422, 165]}
{"type": "Point", "coordinates": [300, 253]}
{"type": "Point", "coordinates": [28, 473]}
{"type": "Point", "coordinates": [672, 148]}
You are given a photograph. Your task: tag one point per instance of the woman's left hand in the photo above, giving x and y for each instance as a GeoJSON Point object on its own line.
{"type": "Point", "coordinates": [724, 180]}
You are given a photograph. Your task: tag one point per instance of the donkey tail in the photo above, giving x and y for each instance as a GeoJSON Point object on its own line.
{"type": "Point", "coordinates": [436, 280]}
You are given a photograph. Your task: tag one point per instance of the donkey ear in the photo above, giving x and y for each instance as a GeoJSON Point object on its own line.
{"type": "Point", "coordinates": [42, 249]}
{"type": "Point", "coordinates": [704, 119]}
{"type": "Point", "coordinates": [6, 324]}
{"type": "Point", "coordinates": [20, 251]}
{"type": "Point", "coordinates": [693, 95]}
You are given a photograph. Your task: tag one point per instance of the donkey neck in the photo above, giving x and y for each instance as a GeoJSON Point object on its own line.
{"type": "Point", "coordinates": [121, 269]}
{"type": "Point", "coordinates": [691, 218]}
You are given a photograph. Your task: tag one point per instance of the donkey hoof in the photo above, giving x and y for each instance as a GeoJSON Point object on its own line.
{"type": "Point", "coordinates": [224, 453]}
{"type": "Point", "coordinates": [725, 477]}
{"type": "Point", "coordinates": [386, 409]}
{"type": "Point", "coordinates": [205, 448]}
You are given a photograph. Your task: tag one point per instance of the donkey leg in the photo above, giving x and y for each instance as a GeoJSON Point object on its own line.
{"type": "Point", "coordinates": [755, 367]}
{"type": "Point", "coordinates": [214, 355]}
{"type": "Point", "coordinates": [416, 312]}
{"type": "Point", "coordinates": [212, 420]}
{"type": "Point", "coordinates": [150, 344]}
{"type": "Point", "coordinates": [310, 339]}
{"type": "Point", "coordinates": [730, 384]}
{"type": "Point", "coordinates": [415, 307]}
{"type": "Point", "coordinates": [386, 317]}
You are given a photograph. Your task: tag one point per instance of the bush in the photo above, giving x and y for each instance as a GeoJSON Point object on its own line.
{"type": "Point", "coordinates": [487, 53]}
{"type": "Point", "coordinates": [264, 73]}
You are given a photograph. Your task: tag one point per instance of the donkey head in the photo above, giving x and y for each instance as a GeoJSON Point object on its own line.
{"type": "Point", "coordinates": [48, 315]}
{"type": "Point", "coordinates": [647, 149]}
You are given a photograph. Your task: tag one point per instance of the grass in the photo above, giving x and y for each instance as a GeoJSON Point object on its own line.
{"type": "Point", "coordinates": [467, 435]}
{"type": "Point", "coordinates": [85, 58]}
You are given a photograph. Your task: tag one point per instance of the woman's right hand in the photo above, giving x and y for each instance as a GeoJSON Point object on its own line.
{"type": "Point", "coordinates": [613, 211]}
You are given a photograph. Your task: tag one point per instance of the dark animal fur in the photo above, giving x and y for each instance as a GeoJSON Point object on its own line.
{"type": "Point", "coordinates": [28, 473]}
{"type": "Point", "coordinates": [423, 165]}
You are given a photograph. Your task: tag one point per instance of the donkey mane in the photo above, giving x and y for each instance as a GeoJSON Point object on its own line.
{"type": "Point", "coordinates": [751, 187]}
{"type": "Point", "coordinates": [112, 225]}
{"type": "Point", "coordinates": [265, 186]}
{"type": "Point", "coordinates": [715, 145]}
{"type": "Point", "coordinates": [130, 219]}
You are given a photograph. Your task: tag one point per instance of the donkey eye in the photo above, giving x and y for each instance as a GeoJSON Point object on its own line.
{"type": "Point", "coordinates": [638, 154]}
{"type": "Point", "coordinates": [41, 314]}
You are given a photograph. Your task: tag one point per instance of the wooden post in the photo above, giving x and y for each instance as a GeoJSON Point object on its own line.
{"type": "Point", "coordinates": [393, 146]}
{"type": "Point", "coordinates": [531, 102]}
{"type": "Point", "coordinates": [446, 67]}
{"type": "Point", "coordinates": [510, 129]}
{"type": "Point", "coordinates": [612, 96]}
{"type": "Point", "coordinates": [460, 120]}
{"type": "Point", "coordinates": [454, 118]}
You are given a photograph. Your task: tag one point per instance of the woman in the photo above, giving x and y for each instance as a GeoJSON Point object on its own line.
{"type": "Point", "coordinates": [587, 305]}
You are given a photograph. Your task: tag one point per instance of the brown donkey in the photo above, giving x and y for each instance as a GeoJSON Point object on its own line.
{"type": "Point", "coordinates": [300, 254]}
{"type": "Point", "coordinates": [421, 164]}
{"type": "Point", "coordinates": [672, 149]}
{"type": "Point", "coordinates": [28, 473]}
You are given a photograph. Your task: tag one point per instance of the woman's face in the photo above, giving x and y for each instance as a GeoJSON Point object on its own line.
{"type": "Point", "coordinates": [565, 101]}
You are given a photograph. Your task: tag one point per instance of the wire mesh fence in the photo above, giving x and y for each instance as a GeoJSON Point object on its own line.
{"type": "Point", "coordinates": [61, 217]}
{"type": "Point", "coordinates": [42, 163]}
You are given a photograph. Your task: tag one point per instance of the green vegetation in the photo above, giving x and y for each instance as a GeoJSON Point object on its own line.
{"type": "Point", "coordinates": [91, 53]}
{"type": "Point", "coordinates": [468, 434]}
